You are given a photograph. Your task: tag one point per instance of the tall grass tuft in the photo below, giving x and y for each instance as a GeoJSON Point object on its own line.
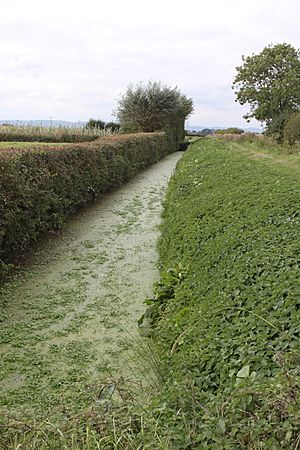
{"type": "Point", "coordinates": [28, 133]}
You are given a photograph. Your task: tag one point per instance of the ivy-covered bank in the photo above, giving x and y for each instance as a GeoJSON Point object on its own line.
{"type": "Point", "coordinates": [226, 313]}
{"type": "Point", "coordinates": [41, 186]}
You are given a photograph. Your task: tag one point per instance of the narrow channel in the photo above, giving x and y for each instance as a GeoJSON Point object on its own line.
{"type": "Point", "coordinates": [69, 320]}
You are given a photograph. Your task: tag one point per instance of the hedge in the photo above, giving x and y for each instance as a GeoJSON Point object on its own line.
{"type": "Point", "coordinates": [41, 187]}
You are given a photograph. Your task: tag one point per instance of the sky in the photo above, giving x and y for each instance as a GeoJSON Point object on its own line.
{"type": "Point", "coordinates": [72, 60]}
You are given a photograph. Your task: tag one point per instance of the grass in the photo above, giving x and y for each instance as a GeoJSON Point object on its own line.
{"type": "Point", "coordinates": [51, 135]}
{"type": "Point", "coordinates": [7, 145]}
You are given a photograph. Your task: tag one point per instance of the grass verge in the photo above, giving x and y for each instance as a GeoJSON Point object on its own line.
{"type": "Point", "coordinates": [226, 311]}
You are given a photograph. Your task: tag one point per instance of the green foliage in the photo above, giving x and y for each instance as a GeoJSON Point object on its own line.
{"type": "Point", "coordinates": [228, 327]}
{"type": "Point", "coordinates": [292, 129]}
{"type": "Point", "coordinates": [154, 107]}
{"type": "Point", "coordinates": [113, 126]}
{"type": "Point", "coordinates": [232, 130]}
{"type": "Point", "coordinates": [41, 186]}
{"type": "Point", "coordinates": [269, 83]}
{"type": "Point", "coordinates": [95, 123]}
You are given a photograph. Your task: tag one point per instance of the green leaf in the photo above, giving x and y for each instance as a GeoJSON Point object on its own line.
{"type": "Point", "coordinates": [244, 372]}
{"type": "Point", "coordinates": [221, 425]}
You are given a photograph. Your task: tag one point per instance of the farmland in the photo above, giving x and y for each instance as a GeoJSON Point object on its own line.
{"type": "Point", "coordinates": [29, 133]}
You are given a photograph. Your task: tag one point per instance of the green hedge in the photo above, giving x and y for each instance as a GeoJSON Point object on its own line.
{"type": "Point", "coordinates": [40, 187]}
{"type": "Point", "coordinates": [226, 313]}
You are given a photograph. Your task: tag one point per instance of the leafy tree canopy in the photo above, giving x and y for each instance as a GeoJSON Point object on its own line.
{"type": "Point", "coordinates": [270, 83]}
{"type": "Point", "coordinates": [93, 123]}
{"type": "Point", "coordinates": [113, 126]}
{"type": "Point", "coordinates": [292, 129]}
{"type": "Point", "coordinates": [152, 107]}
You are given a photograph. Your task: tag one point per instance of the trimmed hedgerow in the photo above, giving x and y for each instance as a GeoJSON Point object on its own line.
{"type": "Point", "coordinates": [226, 313]}
{"type": "Point", "coordinates": [40, 187]}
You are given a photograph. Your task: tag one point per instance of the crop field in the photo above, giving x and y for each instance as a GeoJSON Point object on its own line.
{"type": "Point", "coordinates": [42, 134]}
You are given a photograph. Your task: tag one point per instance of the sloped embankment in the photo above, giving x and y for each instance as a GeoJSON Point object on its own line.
{"type": "Point", "coordinates": [227, 310]}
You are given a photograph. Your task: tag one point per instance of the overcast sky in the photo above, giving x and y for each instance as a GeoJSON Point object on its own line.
{"type": "Point", "coordinates": [72, 59]}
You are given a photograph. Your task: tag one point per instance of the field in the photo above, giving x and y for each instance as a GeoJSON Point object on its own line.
{"type": "Point", "coordinates": [41, 134]}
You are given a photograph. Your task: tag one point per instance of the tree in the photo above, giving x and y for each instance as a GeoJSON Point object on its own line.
{"type": "Point", "coordinates": [93, 123]}
{"type": "Point", "coordinates": [270, 83]}
{"type": "Point", "coordinates": [113, 126]}
{"type": "Point", "coordinates": [152, 107]}
{"type": "Point", "coordinates": [292, 129]}
{"type": "Point", "coordinates": [232, 130]}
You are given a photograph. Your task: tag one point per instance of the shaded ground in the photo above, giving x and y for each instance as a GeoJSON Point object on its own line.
{"type": "Point", "coordinates": [70, 320]}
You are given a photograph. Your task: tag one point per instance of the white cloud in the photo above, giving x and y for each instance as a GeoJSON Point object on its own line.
{"type": "Point", "coordinates": [71, 59]}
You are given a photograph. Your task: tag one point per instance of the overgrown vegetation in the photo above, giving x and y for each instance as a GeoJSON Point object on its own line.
{"type": "Point", "coordinates": [28, 133]}
{"type": "Point", "coordinates": [226, 311]}
{"type": "Point", "coordinates": [41, 186]}
{"type": "Point", "coordinates": [292, 129]}
{"type": "Point", "coordinates": [265, 142]}
{"type": "Point", "coordinates": [225, 318]}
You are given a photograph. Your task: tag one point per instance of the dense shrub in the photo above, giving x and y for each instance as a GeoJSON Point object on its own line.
{"type": "Point", "coordinates": [226, 311]}
{"type": "Point", "coordinates": [40, 187]}
{"type": "Point", "coordinates": [292, 129]}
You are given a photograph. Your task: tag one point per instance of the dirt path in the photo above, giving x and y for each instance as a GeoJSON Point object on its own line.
{"type": "Point", "coordinates": [68, 322]}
